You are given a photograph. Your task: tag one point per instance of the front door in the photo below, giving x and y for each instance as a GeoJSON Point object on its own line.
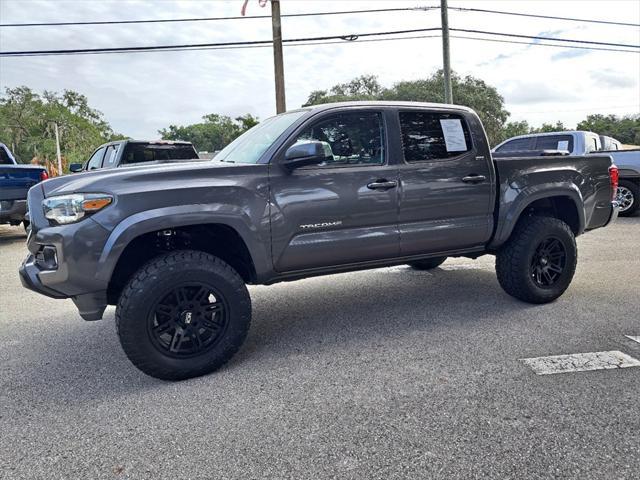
{"type": "Point", "coordinates": [447, 184]}
{"type": "Point", "coordinates": [344, 210]}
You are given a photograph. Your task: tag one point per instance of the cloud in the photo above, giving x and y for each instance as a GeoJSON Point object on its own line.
{"type": "Point", "coordinates": [566, 54]}
{"type": "Point", "coordinates": [535, 92]}
{"type": "Point", "coordinates": [612, 78]}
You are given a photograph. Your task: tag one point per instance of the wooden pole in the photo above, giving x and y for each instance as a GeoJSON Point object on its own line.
{"type": "Point", "coordinates": [278, 61]}
{"type": "Point", "coordinates": [446, 61]}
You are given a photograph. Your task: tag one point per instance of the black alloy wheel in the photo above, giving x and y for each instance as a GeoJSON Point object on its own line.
{"type": "Point", "coordinates": [548, 262]}
{"type": "Point", "coordinates": [188, 320]}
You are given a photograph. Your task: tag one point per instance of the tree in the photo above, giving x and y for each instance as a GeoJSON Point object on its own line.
{"type": "Point", "coordinates": [365, 87]}
{"type": "Point", "coordinates": [214, 133]}
{"type": "Point", "coordinates": [513, 129]}
{"type": "Point", "coordinates": [27, 125]}
{"type": "Point", "coordinates": [468, 91]}
{"type": "Point", "coordinates": [626, 129]}
{"type": "Point", "coordinates": [549, 127]}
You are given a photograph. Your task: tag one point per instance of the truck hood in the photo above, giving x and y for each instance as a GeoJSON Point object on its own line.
{"type": "Point", "coordinates": [140, 178]}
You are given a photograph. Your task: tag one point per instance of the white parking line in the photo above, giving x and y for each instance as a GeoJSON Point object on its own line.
{"type": "Point", "coordinates": [635, 339]}
{"type": "Point", "coordinates": [580, 362]}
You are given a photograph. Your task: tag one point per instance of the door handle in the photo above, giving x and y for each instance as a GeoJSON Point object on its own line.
{"type": "Point", "coordinates": [474, 178]}
{"type": "Point", "coordinates": [382, 185]}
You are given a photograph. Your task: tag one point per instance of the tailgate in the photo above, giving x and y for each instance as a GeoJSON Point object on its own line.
{"type": "Point", "coordinates": [16, 180]}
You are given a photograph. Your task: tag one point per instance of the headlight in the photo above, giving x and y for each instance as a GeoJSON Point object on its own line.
{"type": "Point", "coordinates": [65, 209]}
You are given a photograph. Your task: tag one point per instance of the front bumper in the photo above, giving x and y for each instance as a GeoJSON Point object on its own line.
{"type": "Point", "coordinates": [12, 211]}
{"type": "Point", "coordinates": [91, 306]}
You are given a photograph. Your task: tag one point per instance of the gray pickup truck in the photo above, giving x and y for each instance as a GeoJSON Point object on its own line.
{"type": "Point", "coordinates": [316, 191]}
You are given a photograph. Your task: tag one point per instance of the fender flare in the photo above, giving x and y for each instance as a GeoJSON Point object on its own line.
{"type": "Point", "coordinates": [180, 216]}
{"type": "Point", "coordinates": [528, 195]}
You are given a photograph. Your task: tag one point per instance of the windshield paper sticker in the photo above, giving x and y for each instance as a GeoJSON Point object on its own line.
{"type": "Point", "coordinates": [563, 145]}
{"type": "Point", "coordinates": [453, 135]}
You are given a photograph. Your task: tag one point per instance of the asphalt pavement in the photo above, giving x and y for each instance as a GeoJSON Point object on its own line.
{"type": "Point", "coordinates": [382, 374]}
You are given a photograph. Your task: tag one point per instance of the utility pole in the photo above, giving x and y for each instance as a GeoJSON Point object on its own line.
{"type": "Point", "coordinates": [277, 56]}
{"type": "Point", "coordinates": [58, 149]}
{"type": "Point", "coordinates": [446, 61]}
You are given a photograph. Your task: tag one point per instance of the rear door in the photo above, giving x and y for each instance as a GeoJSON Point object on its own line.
{"type": "Point", "coordinates": [447, 184]}
{"type": "Point", "coordinates": [343, 211]}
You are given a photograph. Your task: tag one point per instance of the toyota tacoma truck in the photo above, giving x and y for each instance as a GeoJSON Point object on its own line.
{"type": "Point", "coordinates": [15, 182]}
{"type": "Point", "coordinates": [315, 191]}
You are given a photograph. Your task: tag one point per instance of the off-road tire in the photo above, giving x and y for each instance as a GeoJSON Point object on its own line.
{"type": "Point", "coordinates": [635, 192]}
{"type": "Point", "coordinates": [428, 263]}
{"type": "Point", "coordinates": [514, 260]}
{"type": "Point", "coordinates": [161, 275]}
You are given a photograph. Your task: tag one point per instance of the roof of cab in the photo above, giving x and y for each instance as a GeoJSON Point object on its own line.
{"type": "Point", "coordinates": [385, 103]}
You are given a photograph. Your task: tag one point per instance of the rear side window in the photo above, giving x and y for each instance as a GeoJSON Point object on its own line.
{"type": "Point", "coordinates": [138, 153]}
{"type": "Point", "coordinates": [554, 142]}
{"type": "Point", "coordinates": [516, 145]}
{"type": "Point", "coordinates": [433, 135]}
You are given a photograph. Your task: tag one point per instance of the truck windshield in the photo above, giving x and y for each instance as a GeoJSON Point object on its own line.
{"type": "Point", "coordinates": [249, 147]}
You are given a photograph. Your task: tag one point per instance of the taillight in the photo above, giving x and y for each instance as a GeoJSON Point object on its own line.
{"type": "Point", "coordinates": [614, 175]}
{"type": "Point", "coordinates": [43, 175]}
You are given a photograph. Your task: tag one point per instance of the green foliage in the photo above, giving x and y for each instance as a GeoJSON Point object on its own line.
{"type": "Point", "coordinates": [469, 91]}
{"type": "Point", "coordinates": [626, 129]}
{"type": "Point", "coordinates": [27, 125]}
{"type": "Point", "coordinates": [513, 129]}
{"type": "Point", "coordinates": [213, 134]}
{"type": "Point", "coordinates": [549, 127]}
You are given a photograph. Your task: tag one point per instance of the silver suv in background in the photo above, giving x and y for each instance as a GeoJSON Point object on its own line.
{"type": "Point", "coordinates": [576, 142]}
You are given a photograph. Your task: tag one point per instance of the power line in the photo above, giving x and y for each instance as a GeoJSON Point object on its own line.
{"type": "Point", "coordinates": [537, 44]}
{"type": "Point", "coordinates": [200, 45]}
{"type": "Point", "coordinates": [538, 37]}
{"type": "Point", "coordinates": [549, 17]}
{"type": "Point", "coordinates": [352, 37]}
{"type": "Point", "coordinates": [210, 19]}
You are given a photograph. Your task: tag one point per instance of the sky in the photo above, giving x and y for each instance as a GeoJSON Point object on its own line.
{"type": "Point", "coordinates": [140, 93]}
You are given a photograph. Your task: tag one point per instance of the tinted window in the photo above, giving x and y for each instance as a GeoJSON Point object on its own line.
{"type": "Point", "coordinates": [349, 138]}
{"type": "Point", "coordinates": [4, 157]}
{"type": "Point", "coordinates": [516, 145]}
{"type": "Point", "coordinates": [96, 159]}
{"type": "Point", "coordinates": [554, 142]}
{"type": "Point", "coordinates": [142, 152]}
{"type": "Point", "coordinates": [111, 155]}
{"type": "Point", "coordinates": [433, 135]}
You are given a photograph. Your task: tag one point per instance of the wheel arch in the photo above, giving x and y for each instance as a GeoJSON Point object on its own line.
{"type": "Point", "coordinates": [563, 203]}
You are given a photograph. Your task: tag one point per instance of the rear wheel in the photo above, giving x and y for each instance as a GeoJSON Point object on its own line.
{"type": "Point", "coordinates": [428, 263]}
{"type": "Point", "coordinates": [628, 197]}
{"type": "Point", "coordinates": [182, 315]}
{"type": "Point", "coordinates": [538, 262]}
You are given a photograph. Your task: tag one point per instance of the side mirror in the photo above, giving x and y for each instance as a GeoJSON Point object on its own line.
{"type": "Point", "coordinates": [303, 154]}
{"type": "Point", "coordinates": [75, 167]}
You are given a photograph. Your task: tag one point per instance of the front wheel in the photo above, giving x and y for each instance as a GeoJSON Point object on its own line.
{"type": "Point", "coordinates": [182, 315]}
{"type": "Point", "coordinates": [537, 263]}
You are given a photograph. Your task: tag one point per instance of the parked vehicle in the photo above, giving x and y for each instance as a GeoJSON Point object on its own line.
{"type": "Point", "coordinates": [136, 152]}
{"type": "Point", "coordinates": [628, 163]}
{"type": "Point", "coordinates": [15, 181]}
{"type": "Point", "coordinates": [320, 190]}
{"type": "Point", "coordinates": [568, 143]}
{"type": "Point", "coordinates": [609, 143]}
{"type": "Point", "coordinates": [582, 143]}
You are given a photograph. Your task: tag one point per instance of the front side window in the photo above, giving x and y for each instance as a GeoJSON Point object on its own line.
{"type": "Point", "coordinates": [433, 136]}
{"type": "Point", "coordinates": [353, 138]}
{"type": "Point", "coordinates": [554, 142]}
{"type": "Point", "coordinates": [95, 161]}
